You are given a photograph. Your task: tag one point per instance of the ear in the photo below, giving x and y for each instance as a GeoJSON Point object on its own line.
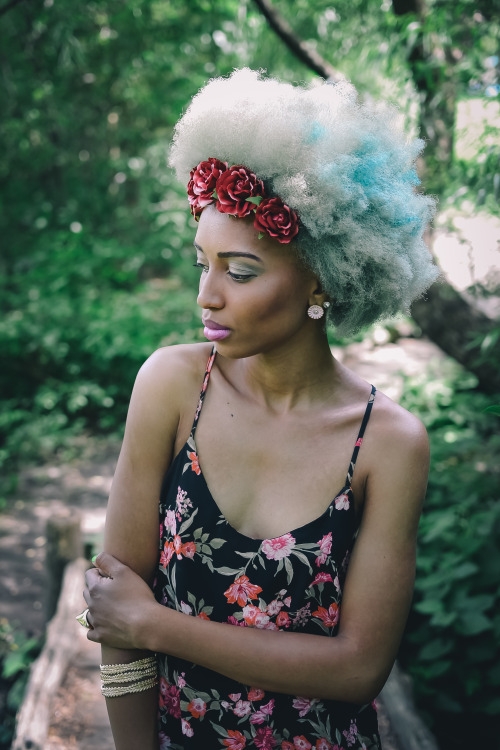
{"type": "Point", "coordinates": [318, 296]}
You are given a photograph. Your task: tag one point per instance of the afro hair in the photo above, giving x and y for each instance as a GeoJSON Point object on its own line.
{"type": "Point", "coordinates": [347, 169]}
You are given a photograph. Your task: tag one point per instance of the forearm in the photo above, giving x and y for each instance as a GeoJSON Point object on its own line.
{"type": "Point", "coordinates": [132, 717]}
{"type": "Point", "coordinates": [294, 663]}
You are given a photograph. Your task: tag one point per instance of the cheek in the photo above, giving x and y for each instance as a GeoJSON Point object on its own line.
{"type": "Point", "coordinates": [281, 299]}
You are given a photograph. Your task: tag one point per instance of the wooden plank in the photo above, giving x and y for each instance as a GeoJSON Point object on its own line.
{"type": "Point", "coordinates": [64, 544]}
{"type": "Point", "coordinates": [49, 670]}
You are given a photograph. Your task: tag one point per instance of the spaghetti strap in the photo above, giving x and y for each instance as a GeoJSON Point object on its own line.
{"type": "Point", "coordinates": [204, 387]}
{"type": "Point", "coordinates": [359, 439]}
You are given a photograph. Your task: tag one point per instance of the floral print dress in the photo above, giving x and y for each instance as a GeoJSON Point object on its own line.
{"type": "Point", "coordinates": [291, 583]}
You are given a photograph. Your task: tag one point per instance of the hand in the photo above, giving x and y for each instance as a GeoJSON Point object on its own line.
{"type": "Point", "coordinates": [120, 602]}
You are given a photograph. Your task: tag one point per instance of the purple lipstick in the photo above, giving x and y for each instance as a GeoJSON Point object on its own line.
{"type": "Point", "coordinates": [215, 332]}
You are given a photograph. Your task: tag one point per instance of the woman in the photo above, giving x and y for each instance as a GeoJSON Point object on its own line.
{"type": "Point", "coordinates": [271, 627]}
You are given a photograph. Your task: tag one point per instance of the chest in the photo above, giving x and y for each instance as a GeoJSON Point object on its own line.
{"type": "Point", "coordinates": [270, 474]}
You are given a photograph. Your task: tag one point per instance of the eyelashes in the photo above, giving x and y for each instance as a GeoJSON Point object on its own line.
{"type": "Point", "coordinates": [241, 278]}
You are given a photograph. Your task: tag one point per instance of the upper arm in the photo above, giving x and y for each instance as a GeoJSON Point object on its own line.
{"type": "Point", "coordinates": [161, 388]}
{"type": "Point", "coordinates": [379, 584]}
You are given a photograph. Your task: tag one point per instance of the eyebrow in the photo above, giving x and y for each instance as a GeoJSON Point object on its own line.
{"type": "Point", "coordinates": [232, 254]}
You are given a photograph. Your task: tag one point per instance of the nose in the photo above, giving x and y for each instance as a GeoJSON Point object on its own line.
{"type": "Point", "coordinates": [209, 293]}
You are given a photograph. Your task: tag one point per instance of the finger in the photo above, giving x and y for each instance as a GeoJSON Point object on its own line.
{"type": "Point", "coordinates": [91, 577]}
{"type": "Point", "coordinates": [92, 635]}
{"type": "Point", "coordinates": [107, 565]}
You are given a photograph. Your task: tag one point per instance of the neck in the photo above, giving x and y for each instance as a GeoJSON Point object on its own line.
{"type": "Point", "coordinates": [292, 377]}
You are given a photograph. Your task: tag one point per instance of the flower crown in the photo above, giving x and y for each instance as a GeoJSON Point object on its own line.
{"type": "Point", "coordinates": [238, 191]}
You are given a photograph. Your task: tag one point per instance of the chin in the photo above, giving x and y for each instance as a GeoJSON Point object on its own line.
{"type": "Point", "coordinates": [251, 348]}
{"type": "Point", "coordinates": [225, 349]}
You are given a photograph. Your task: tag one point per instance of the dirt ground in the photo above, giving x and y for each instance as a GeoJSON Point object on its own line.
{"type": "Point", "coordinates": [81, 487]}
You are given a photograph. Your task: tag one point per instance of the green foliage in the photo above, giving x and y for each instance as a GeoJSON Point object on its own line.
{"type": "Point", "coordinates": [93, 273]}
{"type": "Point", "coordinates": [452, 646]}
{"type": "Point", "coordinates": [87, 89]}
{"type": "Point", "coordinates": [17, 652]}
{"type": "Point", "coordinates": [73, 347]}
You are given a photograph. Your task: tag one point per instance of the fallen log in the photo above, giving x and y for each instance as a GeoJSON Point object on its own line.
{"type": "Point", "coordinates": [49, 669]}
{"type": "Point", "coordinates": [64, 544]}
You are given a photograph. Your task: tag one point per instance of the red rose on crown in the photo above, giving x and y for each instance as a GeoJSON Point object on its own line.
{"type": "Point", "coordinates": [276, 219]}
{"type": "Point", "coordinates": [237, 191]}
{"type": "Point", "coordinates": [234, 188]}
{"type": "Point", "coordinates": [202, 183]}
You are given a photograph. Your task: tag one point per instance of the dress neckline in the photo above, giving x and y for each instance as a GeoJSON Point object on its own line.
{"type": "Point", "coordinates": [346, 490]}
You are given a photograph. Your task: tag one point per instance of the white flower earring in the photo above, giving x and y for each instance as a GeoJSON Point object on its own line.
{"type": "Point", "coordinates": [316, 312]}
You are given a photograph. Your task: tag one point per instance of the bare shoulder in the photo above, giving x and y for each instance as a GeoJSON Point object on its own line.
{"type": "Point", "coordinates": [176, 363]}
{"type": "Point", "coordinates": [164, 398]}
{"type": "Point", "coordinates": [393, 433]}
{"type": "Point", "coordinates": [173, 371]}
{"type": "Point", "coordinates": [396, 428]}
{"type": "Point", "coordinates": [396, 459]}
{"type": "Point", "coordinates": [391, 427]}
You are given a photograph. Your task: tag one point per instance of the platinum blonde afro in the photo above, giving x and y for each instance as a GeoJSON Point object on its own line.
{"type": "Point", "coordinates": [346, 168]}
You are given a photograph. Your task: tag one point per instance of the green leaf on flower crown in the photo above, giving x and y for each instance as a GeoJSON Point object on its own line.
{"type": "Point", "coordinates": [215, 196]}
{"type": "Point", "coordinates": [256, 199]}
{"type": "Point", "coordinates": [260, 235]}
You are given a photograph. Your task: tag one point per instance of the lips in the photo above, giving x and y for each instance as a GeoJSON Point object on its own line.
{"type": "Point", "coordinates": [214, 326]}
{"type": "Point", "coordinates": [214, 331]}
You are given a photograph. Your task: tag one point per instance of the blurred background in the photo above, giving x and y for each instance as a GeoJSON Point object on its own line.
{"type": "Point", "coordinates": [96, 261]}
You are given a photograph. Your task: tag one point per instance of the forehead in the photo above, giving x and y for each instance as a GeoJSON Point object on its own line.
{"type": "Point", "coordinates": [218, 233]}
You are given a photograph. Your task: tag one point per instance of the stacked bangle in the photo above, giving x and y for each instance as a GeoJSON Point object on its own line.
{"type": "Point", "coordinates": [137, 675]}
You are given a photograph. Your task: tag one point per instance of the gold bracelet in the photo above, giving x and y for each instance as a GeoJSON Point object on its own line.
{"type": "Point", "coordinates": [132, 666]}
{"type": "Point", "coordinates": [136, 687]}
{"type": "Point", "coordinates": [108, 679]}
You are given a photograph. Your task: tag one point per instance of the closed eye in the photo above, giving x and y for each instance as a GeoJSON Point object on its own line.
{"type": "Point", "coordinates": [240, 277]}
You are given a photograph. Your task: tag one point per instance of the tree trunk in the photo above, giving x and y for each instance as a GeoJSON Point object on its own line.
{"type": "Point", "coordinates": [458, 329]}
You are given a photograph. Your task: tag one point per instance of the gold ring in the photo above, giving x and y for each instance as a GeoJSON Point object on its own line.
{"type": "Point", "coordinates": [83, 618]}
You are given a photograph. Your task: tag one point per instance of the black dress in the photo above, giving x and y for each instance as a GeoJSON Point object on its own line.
{"type": "Point", "coordinates": [291, 583]}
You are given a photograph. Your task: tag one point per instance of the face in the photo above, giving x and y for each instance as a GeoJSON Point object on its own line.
{"type": "Point", "coordinates": [254, 293]}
